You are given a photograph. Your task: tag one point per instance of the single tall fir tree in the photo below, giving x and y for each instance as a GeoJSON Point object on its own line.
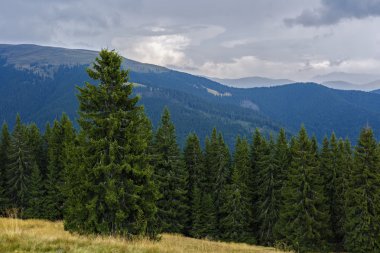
{"type": "Point", "coordinates": [116, 194]}
{"type": "Point", "coordinates": [171, 178]}
{"type": "Point", "coordinates": [304, 215]}
{"type": "Point", "coordinates": [62, 134]}
{"type": "Point", "coordinates": [196, 184]}
{"type": "Point", "coordinates": [217, 162]}
{"type": "Point", "coordinates": [20, 167]}
{"type": "Point", "coordinates": [362, 225]}
{"type": "Point", "coordinates": [273, 166]}
{"type": "Point", "coordinates": [332, 169]}
{"type": "Point", "coordinates": [234, 223]}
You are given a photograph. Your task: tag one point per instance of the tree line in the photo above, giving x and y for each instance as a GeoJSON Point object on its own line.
{"type": "Point", "coordinates": [116, 176]}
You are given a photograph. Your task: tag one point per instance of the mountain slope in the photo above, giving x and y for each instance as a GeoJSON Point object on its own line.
{"type": "Point", "coordinates": [251, 82]}
{"type": "Point", "coordinates": [39, 82]}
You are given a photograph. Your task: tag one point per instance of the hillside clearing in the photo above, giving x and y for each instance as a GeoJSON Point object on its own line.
{"type": "Point", "coordinates": [44, 236]}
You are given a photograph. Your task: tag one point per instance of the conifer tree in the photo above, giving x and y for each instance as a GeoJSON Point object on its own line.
{"type": "Point", "coordinates": [19, 167]}
{"type": "Point", "coordinates": [242, 162]}
{"type": "Point", "coordinates": [193, 158]}
{"type": "Point", "coordinates": [217, 160]}
{"type": "Point", "coordinates": [204, 216]}
{"type": "Point", "coordinates": [234, 224]}
{"type": "Point", "coordinates": [332, 168]}
{"type": "Point", "coordinates": [36, 145]}
{"type": "Point", "coordinates": [116, 194]}
{"type": "Point", "coordinates": [274, 165]}
{"type": "Point", "coordinates": [36, 207]}
{"type": "Point", "coordinates": [61, 134]}
{"type": "Point", "coordinates": [258, 150]}
{"type": "Point", "coordinates": [362, 225]}
{"type": "Point", "coordinates": [304, 216]}
{"type": "Point", "coordinates": [171, 178]}
{"type": "Point", "coordinates": [4, 149]}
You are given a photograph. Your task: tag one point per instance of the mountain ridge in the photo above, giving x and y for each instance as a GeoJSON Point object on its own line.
{"type": "Point", "coordinates": [197, 103]}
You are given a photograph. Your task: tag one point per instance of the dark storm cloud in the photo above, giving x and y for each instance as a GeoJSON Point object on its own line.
{"type": "Point", "coordinates": [332, 11]}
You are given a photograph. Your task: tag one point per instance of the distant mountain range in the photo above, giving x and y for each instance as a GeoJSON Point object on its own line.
{"type": "Point", "coordinates": [39, 83]}
{"type": "Point", "coordinates": [252, 82]}
{"type": "Point", "coordinates": [349, 81]}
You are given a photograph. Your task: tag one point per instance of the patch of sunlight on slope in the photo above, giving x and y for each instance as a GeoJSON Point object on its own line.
{"type": "Point", "coordinates": [44, 236]}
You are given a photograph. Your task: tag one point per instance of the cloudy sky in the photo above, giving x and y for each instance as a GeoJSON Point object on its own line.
{"type": "Point", "coordinates": [294, 39]}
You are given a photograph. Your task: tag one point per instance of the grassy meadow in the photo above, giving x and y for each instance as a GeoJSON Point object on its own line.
{"type": "Point", "coordinates": [44, 236]}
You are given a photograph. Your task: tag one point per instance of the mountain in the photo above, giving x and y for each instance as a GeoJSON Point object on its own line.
{"type": "Point", "coordinates": [357, 78]}
{"type": "Point", "coordinates": [39, 83]}
{"type": "Point", "coordinates": [349, 81]}
{"type": "Point", "coordinates": [251, 82]}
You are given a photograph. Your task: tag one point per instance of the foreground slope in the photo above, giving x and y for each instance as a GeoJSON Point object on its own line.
{"type": "Point", "coordinates": [44, 236]}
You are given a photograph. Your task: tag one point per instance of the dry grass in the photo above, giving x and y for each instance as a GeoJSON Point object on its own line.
{"type": "Point", "coordinates": [43, 236]}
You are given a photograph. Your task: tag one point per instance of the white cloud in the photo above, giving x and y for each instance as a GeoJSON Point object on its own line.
{"type": "Point", "coordinates": [162, 50]}
{"type": "Point", "coordinates": [249, 66]}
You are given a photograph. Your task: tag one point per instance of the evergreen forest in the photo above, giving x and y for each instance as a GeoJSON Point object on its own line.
{"type": "Point", "coordinates": [115, 175]}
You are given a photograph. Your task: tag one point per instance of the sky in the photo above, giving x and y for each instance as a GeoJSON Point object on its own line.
{"type": "Point", "coordinates": [295, 39]}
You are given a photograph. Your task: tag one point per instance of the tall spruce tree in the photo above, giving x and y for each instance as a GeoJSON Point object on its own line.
{"type": "Point", "coordinates": [304, 216]}
{"type": "Point", "coordinates": [36, 208]}
{"type": "Point", "coordinates": [19, 167]}
{"type": "Point", "coordinates": [116, 193]}
{"type": "Point", "coordinates": [274, 165]}
{"type": "Point", "coordinates": [217, 161]}
{"type": "Point", "coordinates": [171, 178]}
{"type": "Point", "coordinates": [62, 134]}
{"type": "Point", "coordinates": [362, 225]}
{"type": "Point", "coordinates": [36, 145]}
{"type": "Point", "coordinates": [193, 158]}
{"type": "Point", "coordinates": [5, 141]}
{"type": "Point", "coordinates": [258, 150]}
{"type": "Point", "coordinates": [332, 168]}
{"type": "Point", "coordinates": [234, 223]}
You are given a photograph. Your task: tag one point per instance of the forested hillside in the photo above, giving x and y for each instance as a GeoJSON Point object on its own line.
{"type": "Point", "coordinates": [115, 176]}
{"type": "Point", "coordinates": [39, 83]}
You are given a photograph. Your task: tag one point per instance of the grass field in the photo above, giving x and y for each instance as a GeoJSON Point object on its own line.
{"type": "Point", "coordinates": [43, 236]}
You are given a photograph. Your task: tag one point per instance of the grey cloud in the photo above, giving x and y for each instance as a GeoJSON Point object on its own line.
{"type": "Point", "coordinates": [189, 34]}
{"type": "Point", "coordinates": [333, 11]}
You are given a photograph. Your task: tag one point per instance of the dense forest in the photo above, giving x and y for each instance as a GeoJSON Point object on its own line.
{"type": "Point", "coordinates": [116, 176]}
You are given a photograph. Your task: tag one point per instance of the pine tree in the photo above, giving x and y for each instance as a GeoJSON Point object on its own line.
{"type": "Point", "coordinates": [234, 224]}
{"type": "Point", "coordinates": [19, 167]}
{"type": "Point", "coordinates": [4, 149]}
{"type": "Point", "coordinates": [60, 135]}
{"type": "Point", "coordinates": [242, 162]}
{"type": "Point", "coordinates": [363, 197]}
{"type": "Point", "coordinates": [332, 168]}
{"type": "Point", "coordinates": [258, 150]}
{"type": "Point", "coordinates": [171, 178]}
{"type": "Point", "coordinates": [217, 161]}
{"type": "Point", "coordinates": [193, 158]}
{"type": "Point", "coordinates": [36, 145]}
{"type": "Point", "coordinates": [274, 165]}
{"type": "Point", "coordinates": [115, 193]}
{"type": "Point", "coordinates": [204, 217]}
{"type": "Point", "coordinates": [36, 205]}
{"type": "Point", "coordinates": [304, 216]}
